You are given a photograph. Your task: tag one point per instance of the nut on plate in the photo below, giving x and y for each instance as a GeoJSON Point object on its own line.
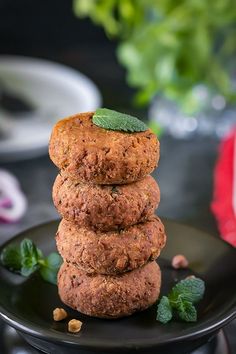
{"type": "Point", "coordinates": [59, 314]}
{"type": "Point", "coordinates": [190, 277]}
{"type": "Point", "coordinates": [179, 262]}
{"type": "Point", "coordinates": [74, 326]}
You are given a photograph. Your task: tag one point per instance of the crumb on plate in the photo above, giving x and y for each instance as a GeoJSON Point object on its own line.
{"type": "Point", "coordinates": [190, 276]}
{"type": "Point", "coordinates": [59, 314]}
{"type": "Point", "coordinates": [74, 326]}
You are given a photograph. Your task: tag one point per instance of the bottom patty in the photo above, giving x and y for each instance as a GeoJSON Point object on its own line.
{"type": "Point", "coordinates": [107, 296]}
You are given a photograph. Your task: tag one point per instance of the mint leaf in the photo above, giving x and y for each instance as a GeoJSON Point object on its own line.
{"type": "Point", "coordinates": [164, 310]}
{"type": "Point", "coordinates": [186, 311]}
{"type": "Point", "coordinates": [50, 267]}
{"type": "Point", "coordinates": [30, 256]}
{"type": "Point", "coordinates": [27, 258]}
{"type": "Point", "coordinates": [49, 274]}
{"type": "Point", "coordinates": [191, 289]}
{"type": "Point", "coordinates": [180, 301]}
{"type": "Point", "coordinates": [29, 249]}
{"type": "Point", "coordinates": [11, 257]}
{"type": "Point", "coordinates": [112, 120]}
{"type": "Point", "coordinates": [54, 260]}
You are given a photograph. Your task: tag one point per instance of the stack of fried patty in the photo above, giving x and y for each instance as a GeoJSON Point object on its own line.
{"type": "Point", "coordinates": [109, 236]}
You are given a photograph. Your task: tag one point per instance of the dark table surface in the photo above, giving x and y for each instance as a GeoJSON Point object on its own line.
{"type": "Point", "coordinates": [184, 174]}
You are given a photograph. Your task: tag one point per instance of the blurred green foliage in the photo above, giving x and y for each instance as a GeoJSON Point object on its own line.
{"type": "Point", "coordinates": [169, 46]}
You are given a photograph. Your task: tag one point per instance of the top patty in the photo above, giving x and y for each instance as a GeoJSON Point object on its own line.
{"type": "Point", "coordinates": [88, 153]}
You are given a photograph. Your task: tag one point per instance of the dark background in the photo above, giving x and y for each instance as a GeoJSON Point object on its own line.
{"type": "Point", "coordinates": [48, 29]}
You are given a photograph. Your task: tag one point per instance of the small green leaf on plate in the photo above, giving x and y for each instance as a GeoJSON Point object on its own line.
{"type": "Point", "coordinates": [50, 268]}
{"type": "Point", "coordinates": [190, 289]}
{"type": "Point", "coordinates": [11, 257]}
{"type": "Point", "coordinates": [186, 311]}
{"type": "Point", "coordinates": [164, 310]}
{"type": "Point", "coordinates": [180, 301]}
{"type": "Point", "coordinates": [26, 258]}
{"type": "Point", "coordinates": [30, 257]}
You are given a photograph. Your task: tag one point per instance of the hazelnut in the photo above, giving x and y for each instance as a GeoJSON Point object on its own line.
{"type": "Point", "coordinates": [59, 314]}
{"type": "Point", "coordinates": [74, 326]}
{"type": "Point", "coordinates": [179, 262]}
{"type": "Point", "coordinates": [190, 277]}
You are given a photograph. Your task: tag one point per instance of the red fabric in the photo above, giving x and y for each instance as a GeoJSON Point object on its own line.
{"type": "Point", "coordinates": [222, 205]}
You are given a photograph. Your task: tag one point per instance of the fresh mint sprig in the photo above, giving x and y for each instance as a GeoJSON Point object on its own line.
{"type": "Point", "coordinates": [180, 301]}
{"type": "Point", "coordinates": [26, 258]}
{"type": "Point", "coordinates": [112, 120]}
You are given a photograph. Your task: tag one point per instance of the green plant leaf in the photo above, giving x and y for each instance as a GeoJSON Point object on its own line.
{"type": "Point", "coordinates": [112, 120]}
{"type": "Point", "coordinates": [186, 311]}
{"type": "Point", "coordinates": [180, 301]}
{"type": "Point", "coordinates": [50, 267]}
{"type": "Point", "coordinates": [30, 256]}
{"type": "Point", "coordinates": [54, 260]}
{"type": "Point", "coordinates": [29, 250]}
{"type": "Point", "coordinates": [11, 257]}
{"type": "Point", "coordinates": [162, 47]}
{"type": "Point", "coordinates": [191, 289]}
{"type": "Point", "coordinates": [164, 310]}
{"type": "Point", "coordinates": [27, 258]}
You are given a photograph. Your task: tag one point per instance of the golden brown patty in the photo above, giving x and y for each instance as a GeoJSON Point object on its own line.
{"type": "Point", "coordinates": [111, 252]}
{"type": "Point", "coordinates": [91, 154]}
{"type": "Point", "coordinates": [106, 207]}
{"type": "Point", "coordinates": [109, 296]}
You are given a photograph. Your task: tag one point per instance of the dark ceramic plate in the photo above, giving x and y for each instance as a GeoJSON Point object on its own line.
{"type": "Point", "coordinates": [27, 304]}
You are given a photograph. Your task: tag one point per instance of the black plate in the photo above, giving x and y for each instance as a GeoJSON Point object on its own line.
{"type": "Point", "coordinates": [27, 304]}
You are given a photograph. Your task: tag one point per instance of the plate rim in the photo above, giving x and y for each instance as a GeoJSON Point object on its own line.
{"type": "Point", "coordinates": [58, 337]}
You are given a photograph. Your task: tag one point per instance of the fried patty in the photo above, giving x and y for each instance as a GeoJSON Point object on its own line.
{"type": "Point", "coordinates": [109, 296]}
{"type": "Point", "coordinates": [106, 207]}
{"type": "Point", "coordinates": [111, 252]}
{"type": "Point", "coordinates": [88, 153]}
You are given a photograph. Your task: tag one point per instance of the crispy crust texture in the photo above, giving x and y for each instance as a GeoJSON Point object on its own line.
{"type": "Point", "coordinates": [106, 207]}
{"type": "Point", "coordinates": [109, 296]}
{"type": "Point", "coordinates": [91, 154]}
{"type": "Point", "coordinates": [112, 252]}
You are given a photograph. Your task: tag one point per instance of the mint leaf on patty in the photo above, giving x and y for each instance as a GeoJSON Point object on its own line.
{"type": "Point", "coordinates": [112, 120]}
